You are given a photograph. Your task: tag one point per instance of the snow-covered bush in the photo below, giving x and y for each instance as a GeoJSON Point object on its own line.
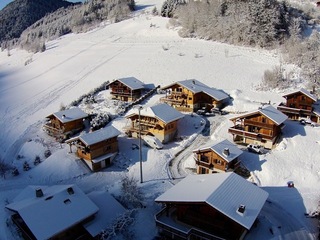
{"type": "Point", "coordinates": [131, 195]}
{"type": "Point", "coordinates": [273, 79]}
{"type": "Point", "coordinates": [89, 99]}
{"type": "Point", "coordinates": [119, 226]}
{"type": "Point", "coordinates": [91, 94]}
{"type": "Point", "coordinates": [100, 120]}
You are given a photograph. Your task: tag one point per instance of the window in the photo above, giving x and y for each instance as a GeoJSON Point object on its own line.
{"type": "Point", "coordinates": [203, 170]}
{"type": "Point", "coordinates": [264, 120]}
{"type": "Point", "coordinates": [218, 161]}
{"type": "Point", "coordinates": [108, 148]}
{"type": "Point", "coordinates": [204, 158]}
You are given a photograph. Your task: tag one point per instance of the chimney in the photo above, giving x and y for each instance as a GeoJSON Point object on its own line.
{"type": "Point", "coordinates": [70, 190]}
{"type": "Point", "coordinates": [241, 209]}
{"type": "Point", "coordinates": [226, 152]}
{"type": "Point", "coordinates": [39, 193]}
{"type": "Point", "coordinates": [63, 116]}
{"type": "Point", "coordinates": [193, 82]}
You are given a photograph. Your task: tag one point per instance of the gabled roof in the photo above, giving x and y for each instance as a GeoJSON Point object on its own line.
{"type": "Point", "coordinates": [219, 148]}
{"type": "Point", "coordinates": [303, 91]}
{"type": "Point", "coordinates": [99, 135]}
{"type": "Point", "coordinates": [196, 86]}
{"type": "Point", "coordinates": [109, 210]}
{"type": "Point", "coordinates": [162, 111]}
{"type": "Point", "coordinates": [268, 111]}
{"type": "Point", "coordinates": [70, 115]}
{"type": "Point", "coordinates": [132, 83]}
{"type": "Point", "coordinates": [223, 191]}
{"type": "Point", "coordinates": [54, 212]}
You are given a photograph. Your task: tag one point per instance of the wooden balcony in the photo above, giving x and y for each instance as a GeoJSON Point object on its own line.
{"type": "Point", "coordinates": [257, 136]}
{"type": "Point", "coordinates": [295, 111]}
{"type": "Point", "coordinates": [172, 101]}
{"type": "Point", "coordinates": [258, 124]}
{"type": "Point", "coordinates": [52, 131]}
{"type": "Point", "coordinates": [167, 221]}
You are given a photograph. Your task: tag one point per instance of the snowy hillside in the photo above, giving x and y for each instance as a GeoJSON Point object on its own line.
{"type": "Point", "coordinates": [36, 85]}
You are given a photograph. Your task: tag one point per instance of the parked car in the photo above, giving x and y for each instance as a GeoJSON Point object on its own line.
{"type": "Point", "coordinates": [255, 148]}
{"type": "Point", "coordinates": [307, 121]}
{"type": "Point", "coordinates": [152, 142]}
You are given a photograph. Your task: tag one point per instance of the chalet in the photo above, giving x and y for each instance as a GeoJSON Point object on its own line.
{"type": "Point", "coordinates": [126, 89]}
{"type": "Point", "coordinates": [220, 157]}
{"type": "Point", "coordinates": [192, 95]}
{"type": "Point", "coordinates": [62, 212]}
{"type": "Point", "coordinates": [160, 121]}
{"type": "Point", "coordinates": [262, 127]}
{"type": "Point", "coordinates": [210, 206]}
{"type": "Point", "coordinates": [65, 123]}
{"type": "Point", "coordinates": [98, 148]}
{"type": "Point", "coordinates": [300, 104]}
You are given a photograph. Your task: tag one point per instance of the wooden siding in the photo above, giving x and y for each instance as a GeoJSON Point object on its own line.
{"type": "Point", "coordinates": [185, 100]}
{"type": "Point", "coordinates": [152, 126]}
{"type": "Point", "coordinates": [55, 127]}
{"type": "Point", "coordinates": [209, 161]}
{"type": "Point", "coordinates": [300, 101]}
{"type": "Point", "coordinates": [256, 129]}
{"type": "Point", "coordinates": [119, 91]}
{"type": "Point", "coordinates": [98, 149]}
{"type": "Point", "coordinates": [208, 219]}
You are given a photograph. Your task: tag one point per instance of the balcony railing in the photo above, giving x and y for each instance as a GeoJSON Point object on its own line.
{"type": "Point", "coordinates": [294, 110]}
{"type": "Point", "coordinates": [257, 136]}
{"type": "Point", "coordinates": [172, 100]}
{"type": "Point", "coordinates": [184, 230]}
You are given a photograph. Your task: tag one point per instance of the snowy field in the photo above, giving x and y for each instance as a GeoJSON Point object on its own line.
{"type": "Point", "coordinates": [146, 47]}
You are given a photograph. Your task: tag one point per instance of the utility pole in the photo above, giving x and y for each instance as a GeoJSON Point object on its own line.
{"type": "Point", "coordinates": [140, 150]}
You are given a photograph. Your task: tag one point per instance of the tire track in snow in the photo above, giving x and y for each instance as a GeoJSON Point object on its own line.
{"type": "Point", "coordinates": [47, 99]}
{"type": "Point", "coordinates": [57, 65]}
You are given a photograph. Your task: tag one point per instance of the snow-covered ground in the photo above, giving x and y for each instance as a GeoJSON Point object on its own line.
{"type": "Point", "coordinates": [147, 48]}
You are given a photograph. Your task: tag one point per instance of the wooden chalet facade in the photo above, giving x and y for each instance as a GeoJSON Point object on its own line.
{"type": "Point", "coordinates": [211, 206]}
{"type": "Point", "coordinates": [300, 104]}
{"type": "Point", "coordinates": [192, 95]}
{"type": "Point", "coordinates": [97, 149]}
{"type": "Point", "coordinates": [262, 127]}
{"type": "Point", "coordinates": [220, 157]}
{"type": "Point", "coordinates": [160, 121]}
{"type": "Point", "coordinates": [65, 123]}
{"type": "Point", "coordinates": [126, 89]}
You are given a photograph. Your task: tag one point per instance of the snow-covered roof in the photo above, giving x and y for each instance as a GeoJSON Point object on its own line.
{"type": "Point", "coordinates": [305, 92]}
{"type": "Point", "coordinates": [162, 111]}
{"type": "Point", "coordinates": [268, 111]}
{"type": "Point", "coordinates": [274, 114]}
{"type": "Point", "coordinates": [70, 115]}
{"type": "Point", "coordinates": [132, 83]}
{"type": "Point", "coordinates": [57, 210]}
{"type": "Point", "coordinates": [219, 148]}
{"type": "Point", "coordinates": [99, 135]}
{"type": "Point", "coordinates": [196, 86]}
{"type": "Point", "coordinates": [223, 191]}
{"type": "Point", "coordinates": [109, 210]}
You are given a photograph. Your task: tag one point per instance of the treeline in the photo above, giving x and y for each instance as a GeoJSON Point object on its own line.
{"type": "Point", "coordinates": [20, 14]}
{"type": "Point", "coordinates": [77, 18]}
{"type": "Point", "coordinates": [268, 24]}
{"type": "Point", "coordinates": [254, 23]}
